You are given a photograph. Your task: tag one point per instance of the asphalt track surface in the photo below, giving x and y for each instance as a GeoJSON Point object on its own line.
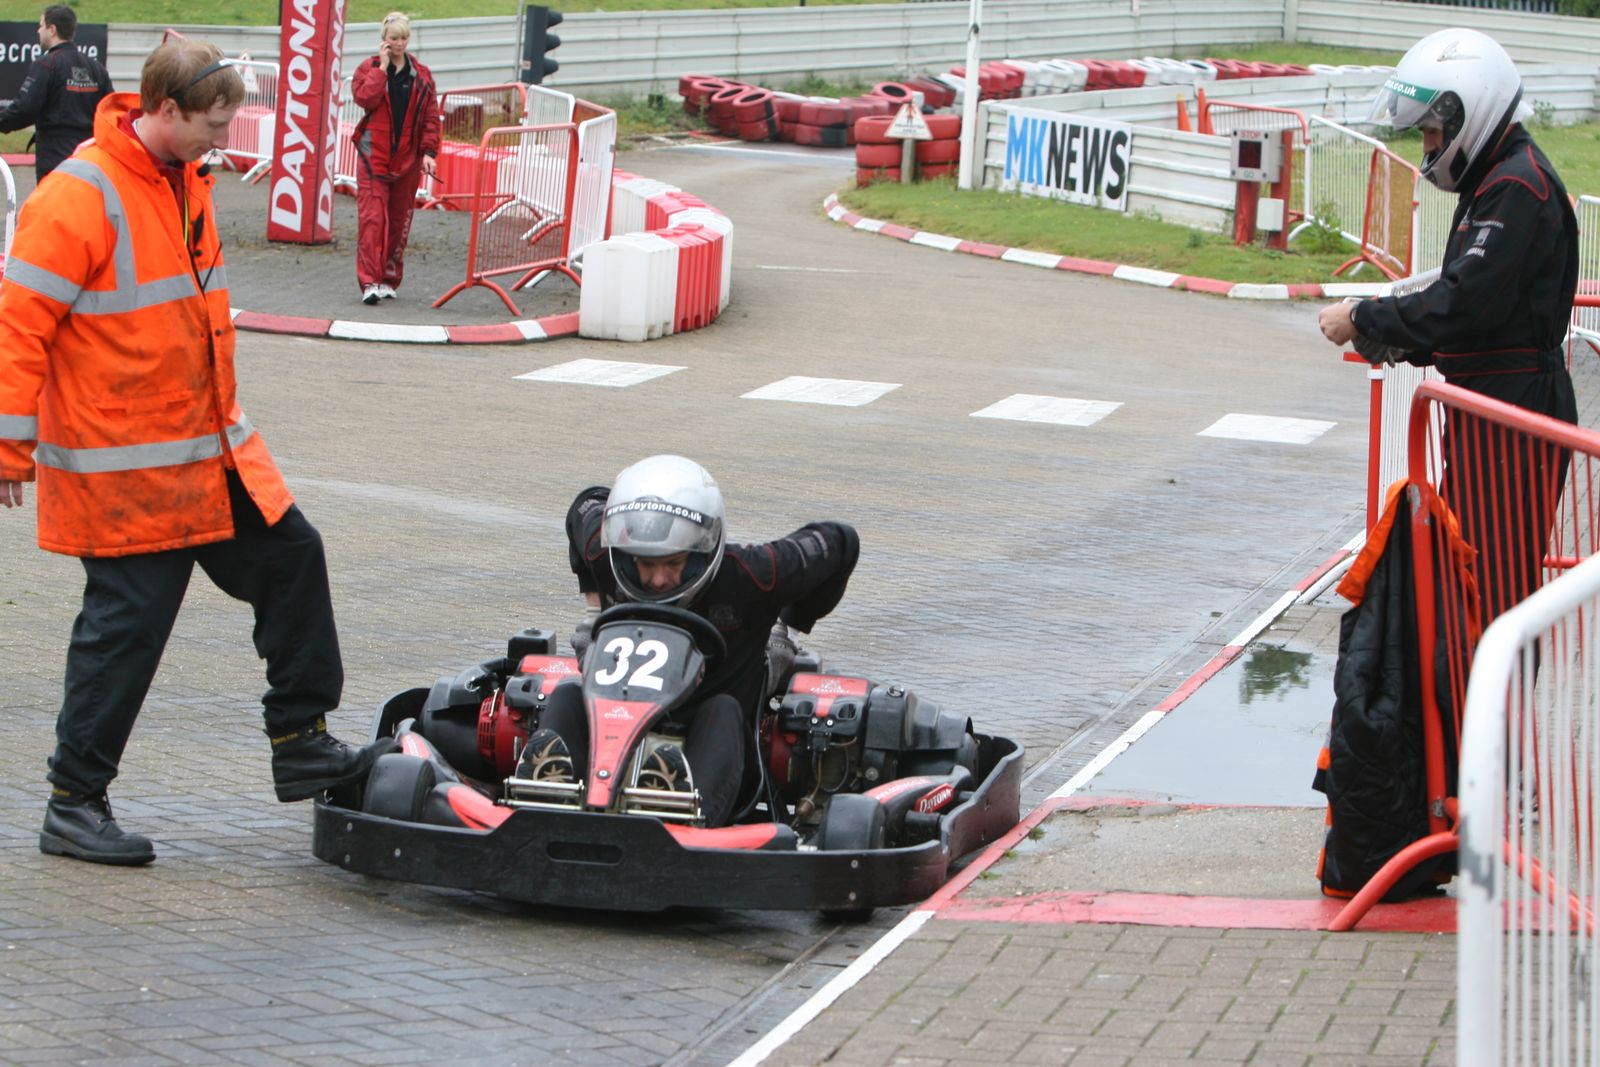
{"type": "Point", "coordinates": [1043, 578]}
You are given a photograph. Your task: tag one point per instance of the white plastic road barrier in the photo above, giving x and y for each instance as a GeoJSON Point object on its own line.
{"type": "Point", "coordinates": [629, 289]}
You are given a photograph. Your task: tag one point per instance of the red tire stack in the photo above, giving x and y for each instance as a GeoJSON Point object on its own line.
{"type": "Point", "coordinates": [878, 155]}
{"type": "Point", "coordinates": [756, 115]}
{"type": "Point", "coordinates": [696, 90]}
{"type": "Point", "coordinates": [822, 124]}
{"type": "Point", "coordinates": [939, 157]}
{"type": "Point", "coordinates": [719, 108]}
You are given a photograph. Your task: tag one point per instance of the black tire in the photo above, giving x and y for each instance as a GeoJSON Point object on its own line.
{"type": "Point", "coordinates": [399, 786]}
{"type": "Point", "coordinates": [852, 823]}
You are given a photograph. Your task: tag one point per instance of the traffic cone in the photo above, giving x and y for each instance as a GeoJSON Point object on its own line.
{"type": "Point", "coordinates": [1183, 115]}
{"type": "Point", "coordinates": [1202, 110]}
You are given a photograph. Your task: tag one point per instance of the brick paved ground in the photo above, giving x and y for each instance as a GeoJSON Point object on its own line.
{"type": "Point", "coordinates": [1058, 582]}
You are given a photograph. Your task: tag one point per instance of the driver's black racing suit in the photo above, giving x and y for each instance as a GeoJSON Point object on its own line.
{"type": "Point", "coordinates": [58, 99]}
{"type": "Point", "coordinates": [798, 579]}
{"type": "Point", "coordinates": [1494, 323]}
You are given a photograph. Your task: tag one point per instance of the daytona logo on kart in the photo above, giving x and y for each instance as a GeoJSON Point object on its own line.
{"type": "Point", "coordinates": [618, 711]}
{"type": "Point", "coordinates": [935, 799]}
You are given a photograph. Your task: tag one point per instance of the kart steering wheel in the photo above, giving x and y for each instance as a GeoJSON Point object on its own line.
{"type": "Point", "coordinates": [707, 638]}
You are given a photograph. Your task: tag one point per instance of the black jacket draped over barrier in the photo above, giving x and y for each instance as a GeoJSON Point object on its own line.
{"type": "Point", "coordinates": [1374, 770]}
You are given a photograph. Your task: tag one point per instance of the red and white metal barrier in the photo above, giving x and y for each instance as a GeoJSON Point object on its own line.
{"type": "Point", "coordinates": [521, 204]}
{"type": "Point", "coordinates": [250, 133]}
{"type": "Point", "coordinates": [1530, 866]}
{"type": "Point", "coordinates": [465, 115]}
{"type": "Point", "coordinates": [1519, 489]}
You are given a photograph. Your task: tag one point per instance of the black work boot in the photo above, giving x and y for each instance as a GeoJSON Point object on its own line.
{"type": "Point", "coordinates": [82, 827]}
{"type": "Point", "coordinates": [309, 760]}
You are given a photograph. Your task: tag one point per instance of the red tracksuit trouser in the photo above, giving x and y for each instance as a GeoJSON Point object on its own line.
{"type": "Point", "coordinates": [383, 216]}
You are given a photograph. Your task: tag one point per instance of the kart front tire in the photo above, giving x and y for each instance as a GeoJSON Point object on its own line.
{"type": "Point", "coordinates": [852, 823]}
{"type": "Point", "coordinates": [399, 786]}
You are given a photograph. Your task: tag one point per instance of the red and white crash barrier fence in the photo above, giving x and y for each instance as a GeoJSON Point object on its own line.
{"type": "Point", "coordinates": [250, 133]}
{"type": "Point", "coordinates": [670, 271]}
{"type": "Point", "coordinates": [521, 205]}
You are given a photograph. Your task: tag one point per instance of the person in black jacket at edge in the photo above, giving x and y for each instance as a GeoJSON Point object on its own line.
{"type": "Point", "coordinates": [60, 93]}
{"type": "Point", "coordinates": [1495, 319]}
{"type": "Point", "coordinates": [657, 536]}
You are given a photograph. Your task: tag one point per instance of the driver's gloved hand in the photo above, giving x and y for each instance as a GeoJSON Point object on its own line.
{"type": "Point", "coordinates": [583, 633]}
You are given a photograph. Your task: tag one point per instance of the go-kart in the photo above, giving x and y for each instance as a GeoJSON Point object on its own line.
{"type": "Point", "coordinates": [864, 794]}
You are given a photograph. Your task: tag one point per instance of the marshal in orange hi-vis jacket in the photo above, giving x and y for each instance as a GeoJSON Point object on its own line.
{"type": "Point", "coordinates": [116, 357]}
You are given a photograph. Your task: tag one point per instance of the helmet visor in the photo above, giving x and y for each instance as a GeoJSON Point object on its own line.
{"type": "Point", "coordinates": [1404, 105]}
{"type": "Point", "coordinates": [658, 528]}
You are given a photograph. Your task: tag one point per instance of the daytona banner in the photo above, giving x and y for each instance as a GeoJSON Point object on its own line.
{"type": "Point", "coordinates": [306, 134]}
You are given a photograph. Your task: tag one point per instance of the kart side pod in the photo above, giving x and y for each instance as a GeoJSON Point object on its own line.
{"type": "Point", "coordinates": [836, 735]}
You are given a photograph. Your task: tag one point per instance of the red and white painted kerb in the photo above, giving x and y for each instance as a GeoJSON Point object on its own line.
{"type": "Point", "coordinates": [1160, 279]}
{"type": "Point", "coordinates": [1140, 909]}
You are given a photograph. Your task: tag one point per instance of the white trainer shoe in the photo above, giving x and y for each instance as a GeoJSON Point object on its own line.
{"type": "Point", "coordinates": [370, 294]}
{"type": "Point", "coordinates": [385, 292]}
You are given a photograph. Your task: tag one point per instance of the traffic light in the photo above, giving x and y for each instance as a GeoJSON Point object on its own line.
{"type": "Point", "coordinates": [537, 44]}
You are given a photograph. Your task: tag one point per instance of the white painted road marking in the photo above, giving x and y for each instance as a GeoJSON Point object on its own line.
{"type": "Point", "coordinates": [1060, 410]}
{"type": "Point", "coordinates": [1268, 428]}
{"type": "Point", "coordinates": [611, 373]}
{"type": "Point", "coordinates": [840, 391]}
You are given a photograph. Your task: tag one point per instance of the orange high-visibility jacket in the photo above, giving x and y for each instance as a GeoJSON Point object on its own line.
{"type": "Point", "coordinates": [116, 358]}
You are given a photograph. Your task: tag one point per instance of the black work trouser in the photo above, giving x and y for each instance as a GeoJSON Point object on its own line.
{"type": "Point", "coordinates": [131, 602]}
{"type": "Point", "coordinates": [715, 746]}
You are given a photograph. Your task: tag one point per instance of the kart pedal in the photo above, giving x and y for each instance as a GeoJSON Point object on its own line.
{"type": "Point", "coordinates": [545, 759]}
{"type": "Point", "coordinates": [665, 770]}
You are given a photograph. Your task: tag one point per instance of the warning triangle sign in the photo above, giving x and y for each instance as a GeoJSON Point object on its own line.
{"type": "Point", "coordinates": [908, 124]}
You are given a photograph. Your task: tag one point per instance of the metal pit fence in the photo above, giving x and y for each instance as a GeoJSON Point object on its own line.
{"type": "Point", "coordinates": [521, 208]}
{"type": "Point", "coordinates": [1526, 988]}
{"type": "Point", "coordinates": [250, 134]}
{"type": "Point", "coordinates": [1503, 502]}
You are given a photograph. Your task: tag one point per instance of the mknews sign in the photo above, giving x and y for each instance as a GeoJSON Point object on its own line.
{"type": "Point", "coordinates": [1067, 157]}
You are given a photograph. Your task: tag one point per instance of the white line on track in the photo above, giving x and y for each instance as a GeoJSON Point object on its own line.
{"type": "Point", "coordinates": [809, 270]}
{"type": "Point", "coordinates": [846, 980]}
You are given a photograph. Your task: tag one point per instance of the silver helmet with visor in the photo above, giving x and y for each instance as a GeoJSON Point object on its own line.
{"type": "Point", "coordinates": [1460, 83]}
{"type": "Point", "coordinates": [658, 508]}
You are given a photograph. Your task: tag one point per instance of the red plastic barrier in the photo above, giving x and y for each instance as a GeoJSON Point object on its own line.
{"type": "Point", "coordinates": [699, 274]}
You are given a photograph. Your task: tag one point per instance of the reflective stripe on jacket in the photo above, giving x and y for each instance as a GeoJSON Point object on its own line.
{"type": "Point", "coordinates": [116, 358]}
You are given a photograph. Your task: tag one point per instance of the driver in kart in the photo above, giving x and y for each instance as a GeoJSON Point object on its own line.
{"type": "Point", "coordinates": [657, 536]}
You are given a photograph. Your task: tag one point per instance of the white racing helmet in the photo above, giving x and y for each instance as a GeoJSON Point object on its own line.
{"type": "Point", "coordinates": [1462, 83]}
{"type": "Point", "coordinates": [659, 507]}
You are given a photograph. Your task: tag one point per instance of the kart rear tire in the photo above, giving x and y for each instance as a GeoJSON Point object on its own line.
{"type": "Point", "coordinates": [398, 787]}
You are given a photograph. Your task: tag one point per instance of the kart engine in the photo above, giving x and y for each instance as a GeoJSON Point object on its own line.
{"type": "Point", "coordinates": [479, 718]}
{"type": "Point", "coordinates": [835, 734]}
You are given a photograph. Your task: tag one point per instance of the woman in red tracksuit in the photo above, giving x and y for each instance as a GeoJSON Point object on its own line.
{"type": "Point", "coordinates": [396, 142]}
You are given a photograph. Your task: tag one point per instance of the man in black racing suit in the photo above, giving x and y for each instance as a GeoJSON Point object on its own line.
{"type": "Point", "coordinates": [657, 537]}
{"type": "Point", "coordinates": [59, 96]}
{"type": "Point", "coordinates": [1495, 319]}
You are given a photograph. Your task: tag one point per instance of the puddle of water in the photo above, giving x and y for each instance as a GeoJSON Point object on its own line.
{"type": "Point", "coordinates": [1249, 735]}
